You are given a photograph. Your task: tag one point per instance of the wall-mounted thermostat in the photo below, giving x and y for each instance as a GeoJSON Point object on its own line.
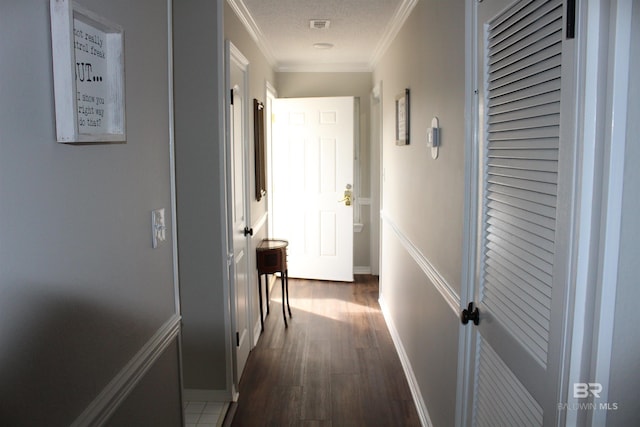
{"type": "Point", "coordinates": [433, 137]}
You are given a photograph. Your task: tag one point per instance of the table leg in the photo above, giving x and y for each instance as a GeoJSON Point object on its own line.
{"type": "Point", "coordinates": [284, 315]}
{"type": "Point", "coordinates": [260, 298]}
{"type": "Point", "coordinates": [286, 278]}
{"type": "Point", "coordinates": [266, 289]}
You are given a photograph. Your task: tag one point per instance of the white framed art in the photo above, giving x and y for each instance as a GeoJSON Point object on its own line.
{"type": "Point", "coordinates": [402, 118]}
{"type": "Point", "coordinates": [88, 74]}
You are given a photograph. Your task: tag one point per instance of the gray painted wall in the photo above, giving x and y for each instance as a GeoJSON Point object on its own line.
{"type": "Point", "coordinates": [423, 198]}
{"type": "Point", "coordinates": [161, 410]}
{"type": "Point", "coordinates": [81, 289]}
{"type": "Point", "coordinates": [260, 72]}
{"type": "Point", "coordinates": [199, 136]}
{"type": "Point", "coordinates": [301, 85]}
{"type": "Point", "coordinates": [199, 57]}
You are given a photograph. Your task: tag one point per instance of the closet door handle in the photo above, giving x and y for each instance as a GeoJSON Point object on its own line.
{"type": "Point", "coordinates": [470, 313]}
{"type": "Point", "coordinates": [248, 231]}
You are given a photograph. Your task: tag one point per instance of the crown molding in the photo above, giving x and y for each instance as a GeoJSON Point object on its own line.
{"type": "Point", "coordinates": [392, 30]}
{"type": "Point", "coordinates": [243, 14]}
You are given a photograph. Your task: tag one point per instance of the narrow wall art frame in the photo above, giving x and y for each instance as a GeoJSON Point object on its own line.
{"type": "Point", "coordinates": [403, 118]}
{"type": "Point", "coordinates": [259, 149]}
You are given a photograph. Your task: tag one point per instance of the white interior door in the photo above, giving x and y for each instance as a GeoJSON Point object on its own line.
{"type": "Point", "coordinates": [313, 160]}
{"type": "Point", "coordinates": [526, 174]}
{"type": "Point", "coordinates": [238, 206]}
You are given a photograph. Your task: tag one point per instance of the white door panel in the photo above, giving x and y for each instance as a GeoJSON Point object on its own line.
{"type": "Point", "coordinates": [524, 177]}
{"type": "Point", "coordinates": [237, 190]}
{"type": "Point", "coordinates": [313, 165]}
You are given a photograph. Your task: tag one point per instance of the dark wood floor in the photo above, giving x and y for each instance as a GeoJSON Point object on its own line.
{"type": "Point", "coordinates": [334, 366]}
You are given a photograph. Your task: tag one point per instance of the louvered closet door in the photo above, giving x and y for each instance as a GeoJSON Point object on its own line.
{"type": "Point", "coordinates": [517, 344]}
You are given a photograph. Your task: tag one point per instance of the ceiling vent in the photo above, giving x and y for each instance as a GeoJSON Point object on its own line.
{"type": "Point", "coordinates": [319, 24]}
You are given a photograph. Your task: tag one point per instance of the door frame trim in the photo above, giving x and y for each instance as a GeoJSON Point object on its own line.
{"type": "Point", "coordinates": [604, 91]}
{"type": "Point", "coordinates": [270, 94]}
{"type": "Point", "coordinates": [466, 341]}
{"type": "Point", "coordinates": [375, 183]}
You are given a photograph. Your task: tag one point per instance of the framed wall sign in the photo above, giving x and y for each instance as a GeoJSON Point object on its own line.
{"type": "Point", "coordinates": [259, 149]}
{"type": "Point", "coordinates": [402, 118]}
{"type": "Point", "coordinates": [88, 74]}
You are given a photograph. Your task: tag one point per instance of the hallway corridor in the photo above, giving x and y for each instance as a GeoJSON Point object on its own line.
{"type": "Point", "coordinates": [335, 365]}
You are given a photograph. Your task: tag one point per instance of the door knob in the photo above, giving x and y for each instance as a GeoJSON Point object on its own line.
{"type": "Point", "coordinates": [470, 313]}
{"type": "Point", "coordinates": [348, 194]}
{"type": "Point", "coordinates": [346, 200]}
{"type": "Point", "coordinates": [248, 231]}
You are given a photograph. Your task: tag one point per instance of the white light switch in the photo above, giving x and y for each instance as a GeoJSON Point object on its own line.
{"type": "Point", "coordinates": [158, 227]}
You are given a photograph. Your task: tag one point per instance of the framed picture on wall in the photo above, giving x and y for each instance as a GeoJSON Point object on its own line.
{"type": "Point", "coordinates": [402, 118]}
{"type": "Point", "coordinates": [88, 75]}
{"type": "Point", "coordinates": [259, 136]}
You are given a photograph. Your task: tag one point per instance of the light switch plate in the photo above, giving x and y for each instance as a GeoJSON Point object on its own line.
{"type": "Point", "coordinates": [158, 227]}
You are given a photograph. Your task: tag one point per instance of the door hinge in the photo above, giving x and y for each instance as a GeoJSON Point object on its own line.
{"type": "Point", "coordinates": [237, 339]}
{"type": "Point", "coordinates": [571, 19]}
{"type": "Point", "coordinates": [231, 97]}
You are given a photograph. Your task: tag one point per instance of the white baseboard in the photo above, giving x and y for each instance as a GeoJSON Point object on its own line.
{"type": "Point", "coordinates": [119, 388]}
{"type": "Point", "coordinates": [421, 407]}
{"type": "Point", "coordinates": [200, 395]}
{"type": "Point", "coordinates": [361, 270]}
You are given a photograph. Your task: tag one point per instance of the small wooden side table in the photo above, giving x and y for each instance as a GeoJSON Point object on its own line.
{"type": "Point", "coordinates": [271, 256]}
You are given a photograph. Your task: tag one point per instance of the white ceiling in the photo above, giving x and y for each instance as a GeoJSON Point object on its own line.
{"type": "Point", "coordinates": [360, 31]}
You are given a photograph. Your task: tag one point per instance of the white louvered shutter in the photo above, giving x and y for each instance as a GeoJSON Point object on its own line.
{"type": "Point", "coordinates": [522, 82]}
